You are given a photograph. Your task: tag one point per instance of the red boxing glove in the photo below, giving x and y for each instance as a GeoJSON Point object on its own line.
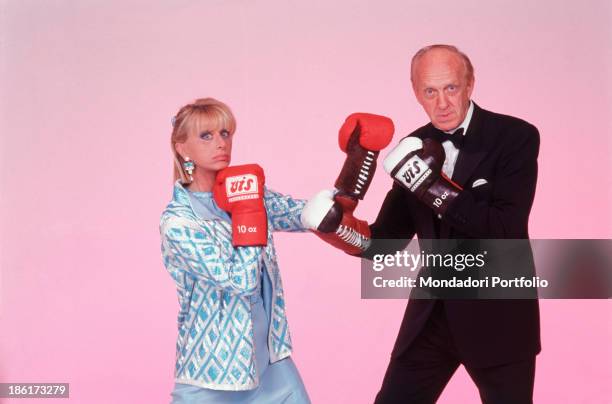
{"type": "Point", "coordinates": [361, 137]}
{"type": "Point", "coordinates": [239, 190]}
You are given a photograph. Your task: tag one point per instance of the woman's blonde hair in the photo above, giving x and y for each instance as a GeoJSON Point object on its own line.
{"type": "Point", "coordinates": [202, 114]}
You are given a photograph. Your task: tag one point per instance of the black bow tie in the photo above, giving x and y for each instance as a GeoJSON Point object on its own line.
{"type": "Point", "coordinates": [457, 138]}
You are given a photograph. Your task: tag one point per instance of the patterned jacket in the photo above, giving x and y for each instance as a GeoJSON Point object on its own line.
{"type": "Point", "coordinates": [214, 282]}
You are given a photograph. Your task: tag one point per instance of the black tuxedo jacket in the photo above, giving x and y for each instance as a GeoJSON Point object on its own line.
{"type": "Point", "coordinates": [502, 150]}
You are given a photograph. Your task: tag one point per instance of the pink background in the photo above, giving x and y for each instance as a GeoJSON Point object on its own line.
{"type": "Point", "coordinates": [87, 93]}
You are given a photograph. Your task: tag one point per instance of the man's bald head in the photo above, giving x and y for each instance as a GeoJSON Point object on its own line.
{"type": "Point", "coordinates": [440, 48]}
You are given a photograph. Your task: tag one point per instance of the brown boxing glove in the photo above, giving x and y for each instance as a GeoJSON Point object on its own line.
{"type": "Point", "coordinates": [417, 165]}
{"type": "Point", "coordinates": [331, 218]}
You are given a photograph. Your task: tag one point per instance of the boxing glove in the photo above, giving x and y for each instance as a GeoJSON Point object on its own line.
{"type": "Point", "coordinates": [331, 218]}
{"type": "Point", "coordinates": [417, 165]}
{"type": "Point", "coordinates": [361, 137]}
{"type": "Point", "coordinates": [239, 190]}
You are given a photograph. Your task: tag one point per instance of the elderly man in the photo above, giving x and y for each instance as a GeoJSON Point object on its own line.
{"type": "Point", "coordinates": [485, 190]}
{"type": "Point", "coordinates": [468, 174]}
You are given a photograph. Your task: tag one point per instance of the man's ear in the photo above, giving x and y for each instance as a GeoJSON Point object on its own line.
{"type": "Point", "coordinates": [471, 87]}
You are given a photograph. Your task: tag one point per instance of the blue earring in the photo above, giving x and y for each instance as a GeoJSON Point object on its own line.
{"type": "Point", "coordinates": [188, 166]}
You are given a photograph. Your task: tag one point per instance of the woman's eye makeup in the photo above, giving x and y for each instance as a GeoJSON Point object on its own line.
{"type": "Point", "coordinates": [224, 133]}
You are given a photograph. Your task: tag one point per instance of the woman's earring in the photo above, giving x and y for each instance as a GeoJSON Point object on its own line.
{"type": "Point", "coordinates": [188, 166]}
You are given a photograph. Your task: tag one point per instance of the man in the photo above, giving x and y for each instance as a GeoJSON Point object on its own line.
{"type": "Point", "coordinates": [492, 161]}
{"type": "Point", "coordinates": [468, 174]}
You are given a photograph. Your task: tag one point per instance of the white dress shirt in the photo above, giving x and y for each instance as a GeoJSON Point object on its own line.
{"type": "Point", "coordinates": [451, 151]}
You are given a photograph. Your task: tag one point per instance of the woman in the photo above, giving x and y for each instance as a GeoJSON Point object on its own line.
{"type": "Point", "coordinates": [233, 341]}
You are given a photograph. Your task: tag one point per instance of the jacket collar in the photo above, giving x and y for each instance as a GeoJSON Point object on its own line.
{"type": "Point", "coordinates": [180, 194]}
{"type": "Point", "coordinates": [182, 197]}
{"type": "Point", "coordinates": [473, 151]}
{"type": "Point", "coordinates": [470, 156]}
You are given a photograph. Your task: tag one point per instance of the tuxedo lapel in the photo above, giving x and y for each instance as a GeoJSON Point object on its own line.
{"type": "Point", "coordinates": [473, 151]}
{"type": "Point", "coordinates": [469, 157]}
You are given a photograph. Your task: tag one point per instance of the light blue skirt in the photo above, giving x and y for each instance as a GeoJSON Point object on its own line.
{"type": "Point", "coordinates": [279, 382]}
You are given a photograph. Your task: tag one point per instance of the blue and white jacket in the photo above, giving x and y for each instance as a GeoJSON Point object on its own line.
{"type": "Point", "coordinates": [215, 347]}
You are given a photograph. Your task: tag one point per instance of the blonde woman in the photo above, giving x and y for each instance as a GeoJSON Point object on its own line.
{"type": "Point", "coordinates": [233, 342]}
